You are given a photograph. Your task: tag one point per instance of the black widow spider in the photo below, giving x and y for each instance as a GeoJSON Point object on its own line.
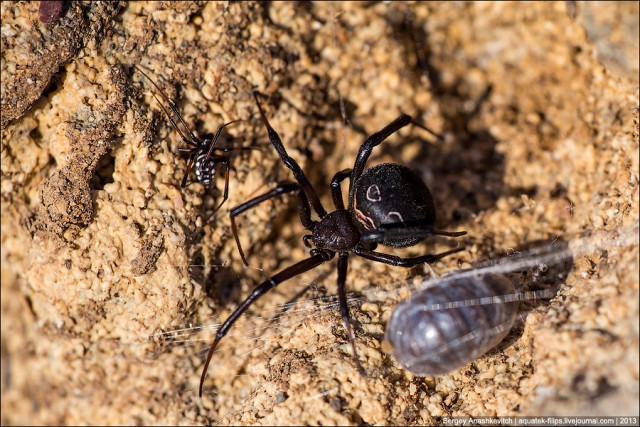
{"type": "Point", "coordinates": [202, 154]}
{"type": "Point", "coordinates": [388, 204]}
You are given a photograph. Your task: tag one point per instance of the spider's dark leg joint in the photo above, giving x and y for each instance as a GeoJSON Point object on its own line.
{"type": "Point", "coordinates": [306, 239]}
{"type": "Point", "coordinates": [423, 127]}
{"type": "Point", "coordinates": [192, 159]}
{"type": "Point", "coordinates": [214, 140]}
{"type": "Point", "coordinates": [372, 141]}
{"type": "Point", "coordinates": [282, 188]}
{"type": "Point", "coordinates": [336, 192]}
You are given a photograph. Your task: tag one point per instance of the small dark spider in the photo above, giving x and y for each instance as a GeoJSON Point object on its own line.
{"type": "Point", "coordinates": [203, 156]}
{"type": "Point", "coordinates": [388, 204]}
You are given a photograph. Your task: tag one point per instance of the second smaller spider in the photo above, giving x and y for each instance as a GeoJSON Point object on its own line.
{"type": "Point", "coordinates": [204, 154]}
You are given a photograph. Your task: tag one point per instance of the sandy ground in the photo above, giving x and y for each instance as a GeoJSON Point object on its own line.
{"type": "Point", "coordinates": [104, 255]}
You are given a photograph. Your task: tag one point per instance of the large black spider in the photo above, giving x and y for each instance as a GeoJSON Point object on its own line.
{"type": "Point", "coordinates": [203, 154]}
{"type": "Point", "coordinates": [388, 204]}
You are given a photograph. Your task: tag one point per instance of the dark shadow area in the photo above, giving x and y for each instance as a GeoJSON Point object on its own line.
{"type": "Point", "coordinates": [104, 172]}
{"type": "Point", "coordinates": [55, 82]}
{"type": "Point", "coordinates": [467, 165]}
{"type": "Point", "coordinates": [224, 286]}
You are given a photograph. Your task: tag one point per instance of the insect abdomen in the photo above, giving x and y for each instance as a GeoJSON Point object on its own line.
{"type": "Point", "coordinates": [433, 336]}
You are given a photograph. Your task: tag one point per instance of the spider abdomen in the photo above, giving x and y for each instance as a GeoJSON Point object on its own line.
{"type": "Point", "coordinates": [445, 326]}
{"type": "Point", "coordinates": [390, 195]}
{"type": "Point", "coordinates": [205, 170]}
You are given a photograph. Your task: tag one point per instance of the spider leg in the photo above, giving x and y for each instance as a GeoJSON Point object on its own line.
{"type": "Point", "coordinates": [343, 262]}
{"type": "Point", "coordinates": [227, 164]}
{"type": "Point", "coordinates": [376, 139]}
{"type": "Point", "coordinates": [194, 139]}
{"type": "Point", "coordinates": [286, 187]}
{"type": "Point", "coordinates": [215, 138]}
{"type": "Point", "coordinates": [174, 125]}
{"type": "Point", "coordinates": [399, 261]}
{"type": "Point", "coordinates": [400, 231]}
{"type": "Point", "coordinates": [192, 159]}
{"type": "Point", "coordinates": [286, 274]}
{"type": "Point", "coordinates": [290, 304]}
{"type": "Point", "coordinates": [228, 149]}
{"type": "Point", "coordinates": [423, 127]}
{"type": "Point", "coordinates": [291, 164]}
{"type": "Point", "coordinates": [367, 146]}
{"type": "Point", "coordinates": [336, 192]}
